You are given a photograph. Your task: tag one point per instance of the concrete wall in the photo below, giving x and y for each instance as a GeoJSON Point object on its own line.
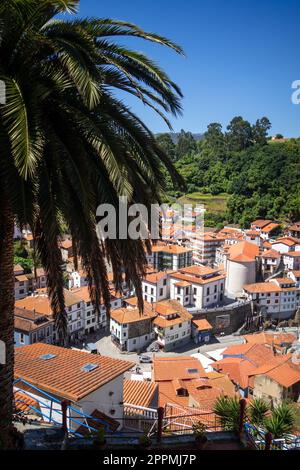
{"type": "Point", "coordinates": [238, 274]}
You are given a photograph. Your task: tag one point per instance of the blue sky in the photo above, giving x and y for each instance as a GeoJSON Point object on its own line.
{"type": "Point", "coordinates": [242, 57]}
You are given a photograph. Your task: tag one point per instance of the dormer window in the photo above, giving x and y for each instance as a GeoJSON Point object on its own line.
{"type": "Point", "coordinates": [182, 392]}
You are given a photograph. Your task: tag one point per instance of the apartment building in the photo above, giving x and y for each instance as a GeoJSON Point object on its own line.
{"type": "Point", "coordinates": [27, 283]}
{"type": "Point", "coordinates": [170, 257]}
{"type": "Point", "coordinates": [295, 276]}
{"type": "Point", "coordinates": [294, 230]}
{"type": "Point", "coordinates": [286, 244]}
{"type": "Point", "coordinates": [156, 286]}
{"type": "Point", "coordinates": [132, 330]}
{"type": "Point", "coordinates": [278, 298]}
{"type": "Point", "coordinates": [32, 327]}
{"type": "Point", "coordinates": [39, 302]}
{"type": "Point", "coordinates": [172, 324]}
{"type": "Point", "coordinates": [198, 286]}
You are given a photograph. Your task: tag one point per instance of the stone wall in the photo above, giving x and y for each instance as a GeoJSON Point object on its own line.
{"type": "Point", "coordinates": [232, 319]}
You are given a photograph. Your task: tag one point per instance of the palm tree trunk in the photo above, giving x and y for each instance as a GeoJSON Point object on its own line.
{"type": "Point", "coordinates": [6, 321]}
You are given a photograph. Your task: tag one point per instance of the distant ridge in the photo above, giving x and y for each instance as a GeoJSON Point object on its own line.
{"type": "Point", "coordinates": [174, 136]}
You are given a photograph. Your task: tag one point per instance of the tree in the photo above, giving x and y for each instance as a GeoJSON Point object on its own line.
{"type": "Point", "coordinates": [166, 143]}
{"type": "Point", "coordinates": [260, 131]}
{"type": "Point", "coordinates": [186, 144]}
{"type": "Point", "coordinates": [239, 135]}
{"type": "Point", "coordinates": [258, 410]}
{"type": "Point", "coordinates": [214, 137]}
{"type": "Point", "coordinates": [228, 411]}
{"type": "Point", "coordinates": [282, 420]}
{"type": "Point", "coordinates": [67, 145]}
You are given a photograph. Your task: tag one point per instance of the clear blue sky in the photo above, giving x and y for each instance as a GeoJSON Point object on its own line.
{"type": "Point", "coordinates": [242, 57]}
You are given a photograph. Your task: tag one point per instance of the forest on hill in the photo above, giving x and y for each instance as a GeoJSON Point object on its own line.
{"type": "Point", "coordinates": [258, 177]}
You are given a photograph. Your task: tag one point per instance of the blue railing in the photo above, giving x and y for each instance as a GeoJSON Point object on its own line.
{"type": "Point", "coordinates": [49, 417]}
{"type": "Point", "coordinates": [257, 438]}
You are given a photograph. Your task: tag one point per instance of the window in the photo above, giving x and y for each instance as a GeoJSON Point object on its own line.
{"type": "Point", "coordinates": [222, 286]}
{"type": "Point", "coordinates": [146, 337]}
{"type": "Point", "coordinates": [78, 305]}
{"type": "Point", "coordinates": [88, 304]}
{"type": "Point", "coordinates": [171, 327]}
{"type": "Point", "coordinates": [165, 282]}
{"type": "Point", "coordinates": [134, 341]}
{"type": "Point", "coordinates": [195, 290]}
{"type": "Point", "coordinates": [146, 288]}
{"type": "Point", "coordinates": [180, 325]}
{"type": "Point", "coordinates": [161, 291]}
{"type": "Point", "coordinates": [176, 336]}
{"type": "Point", "coordinates": [146, 298]}
{"type": "Point", "coordinates": [88, 322]}
{"type": "Point", "coordinates": [22, 338]}
{"type": "Point", "coordinates": [124, 334]}
{"type": "Point", "coordinates": [215, 288]}
{"type": "Point", "coordinates": [152, 291]}
{"type": "Point", "coordinates": [207, 291]}
{"type": "Point", "coordinates": [187, 290]}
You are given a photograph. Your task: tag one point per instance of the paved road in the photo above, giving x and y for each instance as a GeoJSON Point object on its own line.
{"type": "Point", "coordinates": [107, 348]}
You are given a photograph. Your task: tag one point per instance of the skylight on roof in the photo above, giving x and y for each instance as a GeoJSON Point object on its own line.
{"type": "Point", "coordinates": [89, 367]}
{"type": "Point", "coordinates": [46, 357]}
{"type": "Point", "coordinates": [193, 371]}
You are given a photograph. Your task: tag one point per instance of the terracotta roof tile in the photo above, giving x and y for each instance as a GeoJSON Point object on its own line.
{"type": "Point", "coordinates": [202, 324]}
{"type": "Point", "coordinates": [243, 252]}
{"type": "Point", "coordinates": [170, 368]}
{"type": "Point", "coordinates": [139, 392]}
{"type": "Point", "coordinates": [62, 375]}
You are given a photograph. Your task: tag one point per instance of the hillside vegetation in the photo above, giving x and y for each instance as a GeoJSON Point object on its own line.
{"type": "Point", "coordinates": [239, 174]}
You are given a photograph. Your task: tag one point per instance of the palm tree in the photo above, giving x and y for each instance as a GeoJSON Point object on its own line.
{"type": "Point", "coordinates": [68, 144]}
{"type": "Point", "coordinates": [282, 420]}
{"type": "Point", "coordinates": [228, 411]}
{"type": "Point", "coordinates": [257, 411]}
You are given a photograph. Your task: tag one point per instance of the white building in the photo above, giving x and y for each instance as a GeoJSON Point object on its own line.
{"type": "Point", "coordinates": [270, 261]}
{"type": "Point", "coordinates": [198, 286]}
{"type": "Point", "coordinates": [172, 324]}
{"type": "Point", "coordinates": [280, 297]}
{"type": "Point", "coordinates": [286, 244]}
{"type": "Point", "coordinates": [291, 260]}
{"type": "Point", "coordinates": [295, 276]}
{"type": "Point", "coordinates": [132, 330]}
{"type": "Point", "coordinates": [156, 286]}
{"type": "Point", "coordinates": [92, 384]}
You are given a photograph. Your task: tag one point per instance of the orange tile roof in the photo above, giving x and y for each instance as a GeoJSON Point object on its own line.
{"type": "Point", "coordinates": [41, 302]}
{"type": "Point", "coordinates": [244, 252]}
{"type": "Point", "coordinates": [170, 368]}
{"type": "Point", "coordinates": [289, 241]}
{"type": "Point", "coordinates": [293, 254]}
{"type": "Point", "coordinates": [139, 392]}
{"type": "Point", "coordinates": [260, 287]}
{"type": "Point", "coordinates": [267, 244]}
{"type": "Point", "coordinates": [237, 369]}
{"type": "Point", "coordinates": [296, 273]}
{"type": "Point", "coordinates": [283, 280]}
{"type": "Point", "coordinates": [202, 324]}
{"type": "Point", "coordinates": [18, 267]}
{"type": "Point", "coordinates": [198, 274]}
{"type": "Point", "coordinates": [270, 254]}
{"type": "Point", "coordinates": [24, 402]}
{"type": "Point", "coordinates": [173, 249]}
{"type": "Point", "coordinates": [270, 338]}
{"type": "Point", "coordinates": [261, 222]}
{"type": "Point", "coordinates": [170, 307]}
{"type": "Point", "coordinates": [21, 278]}
{"type": "Point", "coordinates": [286, 374]}
{"type": "Point", "coordinates": [182, 284]}
{"type": "Point", "coordinates": [222, 381]}
{"type": "Point", "coordinates": [268, 228]}
{"type": "Point", "coordinates": [282, 370]}
{"type": "Point", "coordinates": [63, 375]}
{"type": "Point", "coordinates": [131, 315]}
{"type": "Point", "coordinates": [153, 278]}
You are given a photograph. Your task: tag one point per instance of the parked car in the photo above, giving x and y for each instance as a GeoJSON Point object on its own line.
{"type": "Point", "coordinates": [145, 359]}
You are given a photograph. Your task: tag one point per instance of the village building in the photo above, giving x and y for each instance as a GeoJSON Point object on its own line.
{"type": "Point", "coordinates": [201, 331]}
{"type": "Point", "coordinates": [156, 286]}
{"type": "Point", "coordinates": [198, 286]}
{"type": "Point", "coordinates": [92, 384]}
{"type": "Point", "coordinates": [278, 298]}
{"type": "Point", "coordinates": [291, 260]}
{"type": "Point", "coordinates": [172, 324]}
{"type": "Point", "coordinates": [132, 330]}
{"type": "Point", "coordinates": [270, 262]}
{"type": "Point", "coordinates": [277, 380]}
{"type": "Point", "coordinates": [31, 327]}
{"type": "Point", "coordinates": [170, 257]}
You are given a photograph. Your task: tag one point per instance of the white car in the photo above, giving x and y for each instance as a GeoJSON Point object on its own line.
{"type": "Point", "coordinates": [145, 359]}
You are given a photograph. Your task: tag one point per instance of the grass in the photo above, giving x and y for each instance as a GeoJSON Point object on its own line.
{"type": "Point", "coordinates": [212, 203]}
